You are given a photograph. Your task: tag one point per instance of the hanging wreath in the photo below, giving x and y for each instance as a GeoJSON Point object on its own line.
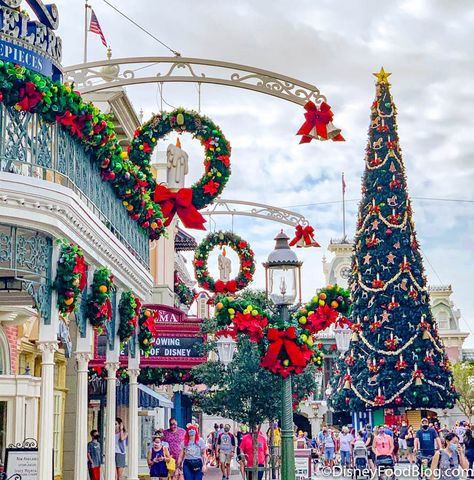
{"type": "Point", "coordinates": [99, 307]}
{"type": "Point", "coordinates": [129, 310]}
{"type": "Point", "coordinates": [187, 201]}
{"type": "Point", "coordinates": [58, 103]}
{"type": "Point", "coordinates": [71, 276]}
{"type": "Point", "coordinates": [148, 331]}
{"type": "Point", "coordinates": [184, 294]}
{"type": "Point", "coordinates": [240, 247]}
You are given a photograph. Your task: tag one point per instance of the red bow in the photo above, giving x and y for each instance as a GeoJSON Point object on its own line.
{"type": "Point", "coordinates": [105, 310]}
{"type": "Point", "coordinates": [316, 123]}
{"type": "Point", "coordinates": [225, 287]}
{"type": "Point", "coordinates": [283, 339]}
{"type": "Point", "coordinates": [180, 202]}
{"type": "Point", "coordinates": [81, 268]}
{"type": "Point", "coordinates": [304, 237]}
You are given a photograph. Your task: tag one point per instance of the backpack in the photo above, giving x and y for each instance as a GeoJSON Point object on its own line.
{"type": "Point", "coordinates": [225, 442]}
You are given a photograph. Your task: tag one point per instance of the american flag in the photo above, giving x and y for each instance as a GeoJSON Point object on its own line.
{"type": "Point", "coordinates": [94, 27]}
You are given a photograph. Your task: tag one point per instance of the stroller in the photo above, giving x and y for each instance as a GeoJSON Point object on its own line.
{"type": "Point", "coordinates": [385, 466]}
{"type": "Point", "coordinates": [361, 462]}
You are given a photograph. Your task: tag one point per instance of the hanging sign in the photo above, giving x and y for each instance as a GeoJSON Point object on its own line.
{"type": "Point", "coordinates": [31, 43]}
{"type": "Point", "coordinates": [21, 461]}
{"type": "Point", "coordinates": [176, 347]}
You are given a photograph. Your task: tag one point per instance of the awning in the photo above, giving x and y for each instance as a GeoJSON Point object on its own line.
{"type": "Point", "coordinates": [147, 398]}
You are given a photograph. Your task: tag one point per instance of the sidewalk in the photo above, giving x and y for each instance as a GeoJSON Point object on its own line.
{"type": "Point", "coordinates": [214, 473]}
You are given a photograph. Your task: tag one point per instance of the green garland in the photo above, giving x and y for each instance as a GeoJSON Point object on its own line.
{"type": "Point", "coordinates": [54, 102]}
{"type": "Point", "coordinates": [71, 277]}
{"type": "Point", "coordinates": [185, 294]}
{"type": "Point", "coordinates": [216, 147]}
{"type": "Point", "coordinates": [99, 307]}
{"type": "Point", "coordinates": [129, 311]}
{"type": "Point", "coordinates": [146, 337]}
{"type": "Point", "coordinates": [240, 247]}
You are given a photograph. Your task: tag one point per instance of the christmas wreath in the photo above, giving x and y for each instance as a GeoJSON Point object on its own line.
{"type": "Point", "coordinates": [240, 247]}
{"type": "Point", "coordinates": [58, 103]}
{"type": "Point", "coordinates": [184, 294]}
{"type": "Point", "coordinates": [148, 331]}
{"type": "Point", "coordinates": [285, 348]}
{"type": "Point", "coordinates": [187, 201]}
{"type": "Point", "coordinates": [71, 276]}
{"type": "Point", "coordinates": [99, 307]}
{"type": "Point", "coordinates": [129, 310]}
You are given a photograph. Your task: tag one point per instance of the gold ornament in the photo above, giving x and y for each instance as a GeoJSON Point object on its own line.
{"type": "Point", "coordinates": [426, 335]}
{"type": "Point", "coordinates": [418, 381]}
{"type": "Point", "coordinates": [355, 337]}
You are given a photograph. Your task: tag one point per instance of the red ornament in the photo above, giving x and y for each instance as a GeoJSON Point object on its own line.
{"type": "Point", "coordinates": [398, 400]}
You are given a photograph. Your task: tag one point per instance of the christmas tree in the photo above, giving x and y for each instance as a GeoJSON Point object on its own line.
{"type": "Point", "coordinates": [396, 357]}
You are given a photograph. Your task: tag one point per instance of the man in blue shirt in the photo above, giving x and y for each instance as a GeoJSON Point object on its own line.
{"type": "Point", "coordinates": [426, 440]}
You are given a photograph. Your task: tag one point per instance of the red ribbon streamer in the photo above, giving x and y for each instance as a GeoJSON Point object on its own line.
{"type": "Point", "coordinates": [307, 234]}
{"type": "Point", "coordinates": [180, 202]}
{"type": "Point", "coordinates": [283, 339]}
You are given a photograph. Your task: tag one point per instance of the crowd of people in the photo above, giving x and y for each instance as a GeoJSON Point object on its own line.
{"type": "Point", "coordinates": [430, 447]}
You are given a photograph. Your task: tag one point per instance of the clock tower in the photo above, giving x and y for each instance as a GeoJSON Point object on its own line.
{"type": "Point", "coordinates": [338, 269]}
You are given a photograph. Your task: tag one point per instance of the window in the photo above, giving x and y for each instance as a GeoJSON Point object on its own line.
{"type": "Point", "coordinates": [58, 416]}
{"type": "Point", "coordinates": [443, 320]}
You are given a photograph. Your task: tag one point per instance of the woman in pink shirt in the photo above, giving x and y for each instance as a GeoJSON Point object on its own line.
{"type": "Point", "coordinates": [382, 445]}
{"type": "Point", "coordinates": [262, 451]}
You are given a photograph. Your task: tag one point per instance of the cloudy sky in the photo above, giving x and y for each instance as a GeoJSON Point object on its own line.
{"type": "Point", "coordinates": [428, 46]}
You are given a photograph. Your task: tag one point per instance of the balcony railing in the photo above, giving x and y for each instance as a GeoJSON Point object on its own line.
{"type": "Point", "coordinates": [34, 148]}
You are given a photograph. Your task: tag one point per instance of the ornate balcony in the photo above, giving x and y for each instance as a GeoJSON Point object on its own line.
{"type": "Point", "coordinates": [31, 147]}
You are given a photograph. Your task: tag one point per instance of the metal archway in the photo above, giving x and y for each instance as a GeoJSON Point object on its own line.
{"type": "Point", "coordinates": [221, 206]}
{"type": "Point", "coordinates": [102, 75]}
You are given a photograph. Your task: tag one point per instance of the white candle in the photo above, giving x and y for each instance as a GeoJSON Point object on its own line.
{"type": "Point", "coordinates": [373, 362]}
{"type": "Point", "coordinates": [404, 259]}
{"type": "Point", "coordinates": [393, 299]}
{"type": "Point", "coordinates": [378, 276]}
{"type": "Point", "coordinates": [389, 138]}
{"type": "Point", "coordinates": [401, 358]}
{"type": "Point", "coordinates": [380, 392]}
{"type": "Point", "coordinates": [393, 211]}
{"type": "Point", "coordinates": [391, 335]}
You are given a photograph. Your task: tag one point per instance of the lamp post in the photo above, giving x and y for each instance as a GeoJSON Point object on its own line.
{"type": "Point", "coordinates": [226, 347]}
{"type": "Point", "coordinates": [343, 338]}
{"type": "Point", "coordinates": [283, 286]}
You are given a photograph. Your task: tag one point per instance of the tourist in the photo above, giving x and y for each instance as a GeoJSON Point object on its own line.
{"type": "Point", "coordinates": [301, 440]}
{"type": "Point", "coordinates": [240, 456]}
{"type": "Point", "coordinates": [274, 442]}
{"type": "Point", "coordinates": [426, 440]}
{"type": "Point", "coordinates": [369, 441]}
{"type": "Point", "coordinates": [246, 447]}
{"type": "Point", "coordinates": [382, 445]}
{"type": "Point", "coordinates": [469, 448]}
{"type": "Point", "coordinates": [121, 440]}
{"type": "Point", "coordinates": [157, 457]}
{"type": "Point", "coordinates": [459, 431]}
{"type": "Point", "coordinates": [402, 440]}
{"type": "Point", "coordinates": [410, 441]}
{"type": "Point", "coordinates": [448, 460]}
{"type": "Point", "coordinates": [192, 457]}
{"type": "Point", "coordinates": [173, 436]}
{"type": "Point", "coordinates": [329, 446]}
{"type": "Point", "coordinates": [345, 441]}
{"type": "Point", "coordinates": [94, 456]}
{"type": "Point", "coordinates": [226, 450]}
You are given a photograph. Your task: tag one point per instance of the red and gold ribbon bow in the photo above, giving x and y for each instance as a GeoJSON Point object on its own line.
{"type": "Point", "coordinates": [304, 237]}
{"type": "Point", "coordinates": [283, 339]}
{"type": "Point", "coordinates": [317, 120]}
{"type": "Point", "coordinates": [180, 202]}
{"type": "Point", "coordinates": [81, 268]}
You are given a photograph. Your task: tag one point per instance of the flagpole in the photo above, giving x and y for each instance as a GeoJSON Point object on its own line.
{"type": "Point", "coordinates": [343, 208]}
{"type": "Point", "coordinates": [86, 7]}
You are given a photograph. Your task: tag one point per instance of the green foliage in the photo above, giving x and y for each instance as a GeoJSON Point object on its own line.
{"type": "Point", "coordinates": [99, 308]}
{"type": "Point", "coordinates": [245, 392]}
{"type": "Point", "coordinates": [463, 374]}
{"type": "Point", "coordinates": [129, 308]}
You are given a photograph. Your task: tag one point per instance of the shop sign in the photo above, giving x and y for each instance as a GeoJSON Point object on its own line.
{"type": "Point", "coordinates": [22, 462]}
{"type": "Point", "coordinates": [176, 347]}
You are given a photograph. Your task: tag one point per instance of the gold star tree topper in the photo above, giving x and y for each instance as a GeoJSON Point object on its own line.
{"type": "Point", "coordinates": [382, 76]}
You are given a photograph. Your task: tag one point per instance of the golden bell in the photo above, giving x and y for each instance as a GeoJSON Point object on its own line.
{"type": "Point", "coordinates": [355, 337]}
{"type": "Point", "coordinates": [418, 381]}
{"type": "Point", "coordinates": [426, 335]}
{"type": "Point", "coordinates": [332, 131]}
{"type": "Point", "coordinates": [347, 384]}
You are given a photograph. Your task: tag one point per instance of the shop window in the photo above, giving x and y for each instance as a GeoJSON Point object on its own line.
{"type": "Point", "coordinates": [58, 416]}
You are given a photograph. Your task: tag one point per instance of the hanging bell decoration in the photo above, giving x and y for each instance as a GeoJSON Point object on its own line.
{"type": "Point", "coordinates": [332, 131]}
{"type": "Point", "coordinates": [347, 385]}
{"type": "Point", "coordinates": [355, 337]}
{"type": "Point", "coordinates": [418, 381]}
{"type": "Point", "coordinates": [426, 335]}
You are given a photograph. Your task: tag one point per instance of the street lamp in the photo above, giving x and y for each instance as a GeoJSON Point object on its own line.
{"type": "Point", "coordinates": [343, 338]}
{"type": "Point", "coordinates": [283, 286]}
{"type": "Point", "coordinates": [226, 347]}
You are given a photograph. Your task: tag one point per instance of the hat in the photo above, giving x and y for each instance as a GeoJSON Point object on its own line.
{"type": "Point", "coordinates": [424, 420]}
